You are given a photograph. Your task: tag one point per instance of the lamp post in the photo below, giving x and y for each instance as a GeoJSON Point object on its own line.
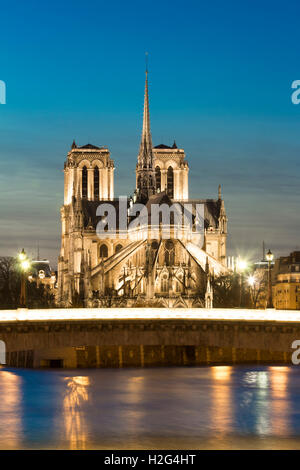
{"type": "Point", "coordinates": [24, 262]}
{"type": "Point", "coordinates": [269, 257]}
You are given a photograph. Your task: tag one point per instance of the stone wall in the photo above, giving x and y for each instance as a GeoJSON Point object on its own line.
{"type": "Point", "coordinates": [146, 343]}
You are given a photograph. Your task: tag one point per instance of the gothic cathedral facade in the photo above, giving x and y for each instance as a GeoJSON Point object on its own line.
{"type": "Point", "coordinates": [133, 267]}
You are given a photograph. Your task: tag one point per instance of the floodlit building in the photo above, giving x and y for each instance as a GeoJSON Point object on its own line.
{"type": "Point", "coordinates": [41, 273]}
{"type": "Point", "coordinates": [138, 259]}
{"type": "Point", "coordinates": [286, 282]}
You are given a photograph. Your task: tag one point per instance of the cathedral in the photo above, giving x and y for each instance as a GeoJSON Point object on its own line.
{"type": "Point", "coordinates": [137, 264]}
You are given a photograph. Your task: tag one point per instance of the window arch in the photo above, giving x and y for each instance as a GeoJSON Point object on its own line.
{"type": "Point", "coordinates": [164, 283]}
{"type": "Point", "coordinates": [158, 178]}
{"type": "Point", "coordinates": [103, 251]}
{"type": "Point", "coordinates": [170, 182]}
{"type": "Point", "coordinates": [118, 248]}
{"type": "Point", "coordinates": [84, 182]}
{"type": "Point", "coordinates": [96, 182]}
{"type": "Point", "coordinates": [169, 253]}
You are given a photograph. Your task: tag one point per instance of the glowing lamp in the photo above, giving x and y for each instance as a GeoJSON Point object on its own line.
{"type": "Point", "coordinates": [242, 265]}
{"type": "Point", "coordinates": [22, 255]}
{"type": "Point", "coordinates": [25, 264]}
{"type": "Point", "coordinates": [269, 256]}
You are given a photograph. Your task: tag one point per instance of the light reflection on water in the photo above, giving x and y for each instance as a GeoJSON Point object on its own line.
{"type": "Point", "coordinates": [221, 398]}
{"type": "Point", "coordinates": [73, 404]}
{"type": "Point", "coordinates": [10, 409]}
{"type": "Point", "coordinates": [280, 406]}
{"type": "Point", "coordinates": [209, 407]}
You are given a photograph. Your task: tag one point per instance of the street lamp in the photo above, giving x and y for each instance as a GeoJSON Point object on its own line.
{"type": "Point", "coordinates": [242, 265]}
{"type": "Point", "coordinates": [22, 255]}
{"type": "Point", "coordinates": [24, 262]}
{"type": "Point", "coordinates": [269, 257]}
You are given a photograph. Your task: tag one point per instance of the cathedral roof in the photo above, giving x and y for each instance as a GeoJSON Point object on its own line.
{"type": "Point", "coordinates": [162, 198]}
{"type": "Point", "coordinates": [89, 211]}
{"type": "Point", "coordinates": [89, 146]}
{"type": "Point", "coordinates": [163, 146]}
{"type": "Point", "coordinates": [159, 198]}
{"type": "Point", "coordinates": [211, 209]}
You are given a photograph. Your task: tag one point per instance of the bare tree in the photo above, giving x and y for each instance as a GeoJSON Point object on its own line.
{"type": "Point", "coordinates": [259, 288]}
{"type": "Point", "coordinates": [10, 283]}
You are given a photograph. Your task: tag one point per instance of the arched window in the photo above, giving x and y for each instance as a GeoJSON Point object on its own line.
{"type": "Point", "coordinates": [170, 182]}
{"type": "Point", "coordinates": [158, 178]}
{"type": "Point", "coordinates": [154, 245]}
{"type": "Point", "coordinates": [84, 182]}
{"type": "Point", "coordinates": [164, 283]}
{"type": "Point", "coordinates": [103, 251]}
{"type": "Point", "coordinates": [118, 248]}
{"type": "Point", "coordinates": [96, 182]}
{"type": "Point", "coordinates": [169, 253]}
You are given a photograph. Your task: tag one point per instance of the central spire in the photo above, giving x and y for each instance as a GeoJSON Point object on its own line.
{"type": "Point", "coordinates": [145, 174]}
{"type": "Point", "coordinates": [146, 141]}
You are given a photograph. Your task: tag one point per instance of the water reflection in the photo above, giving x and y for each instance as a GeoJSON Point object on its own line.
{"type": "Point", "coordinates": [181, 408]}
{"type": "Point", "coordinates": [132, 414]}
{"type": "Point", "coordinates": [10, 410]}
{"type": "Point", "coordinates": [135, 387]}
{"type": "Point", "coordinates": [280, 400]}
{"type": "Point", "coordinates": [222, 398]}
{"type": "Point", "coordinates": [76, 428]}
{"type": "Point", "coordinates": [256, 400]}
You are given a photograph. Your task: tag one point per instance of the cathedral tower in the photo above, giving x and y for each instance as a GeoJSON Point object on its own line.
{"type": "Point", "coordinates": [89, 170]}
{"type": "Point", "coordinates": [127, 266]}
{"type": "Point", "coordinates": [145, 172]}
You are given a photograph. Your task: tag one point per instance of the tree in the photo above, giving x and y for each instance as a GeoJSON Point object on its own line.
{"type": "Point", "coordinates": [229, 289]}
{"type": "Point", "coordinates": [8, 281]}
{"type": "Point", "coordinates": [38, 296]}
{"type": "Point", "coordinates": [259, 288]}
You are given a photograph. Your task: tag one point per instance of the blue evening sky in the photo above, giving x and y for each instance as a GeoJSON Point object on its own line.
{"type": "Point", "coordinates": [220, 84]}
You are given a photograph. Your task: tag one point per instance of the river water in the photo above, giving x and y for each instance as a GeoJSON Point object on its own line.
{"type": "Point", "coordinates": [222, 407]}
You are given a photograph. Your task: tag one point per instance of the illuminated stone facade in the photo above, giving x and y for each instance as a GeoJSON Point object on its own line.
{"type": "Point", "coordinates": [286, 282]}
{"type": "Point", "coordinates": [133, 267]}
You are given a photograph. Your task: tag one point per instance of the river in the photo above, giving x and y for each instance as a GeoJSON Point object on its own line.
{"type": "Point", "coordinates": [222, 407]}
